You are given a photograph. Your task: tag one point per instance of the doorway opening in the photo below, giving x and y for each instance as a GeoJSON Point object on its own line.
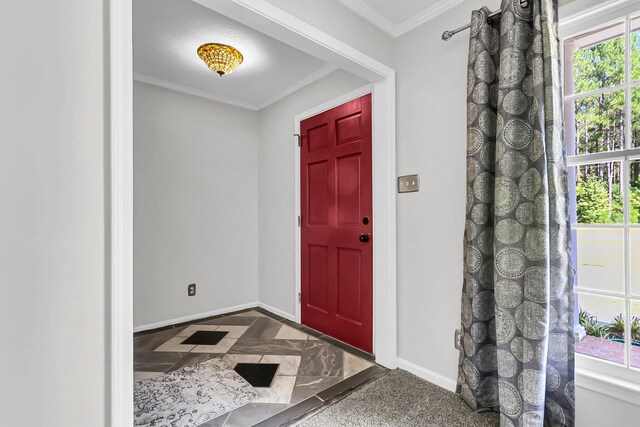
{"type": "Point", "coordinates": [266, 18]}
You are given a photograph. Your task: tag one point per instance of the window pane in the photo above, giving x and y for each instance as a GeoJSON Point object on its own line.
{"type": "Point", "coordinates": [599, 123]}
{"type": "Point", "coordinates": [634, 192]}
{"type": "Point", "coordinates": [597, 59]}
{"type": "Point", "coordinates": [635, 49]}
{"type": "Point", "coordinates": [635, 333]}
{"type": "Point", "coordinates": [634, 260]}
{"type": "Point", "coordinates": [602, 317]}
{"type": "Point", "coordinates": [600, 259]}
{"type": "Point", "coordinates": [599, 199]}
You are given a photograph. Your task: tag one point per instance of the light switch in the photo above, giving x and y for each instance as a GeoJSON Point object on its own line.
{"type": "Point", "coordinates": [408, 183]}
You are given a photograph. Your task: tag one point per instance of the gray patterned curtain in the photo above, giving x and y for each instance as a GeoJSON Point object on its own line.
{"type": "Point", "coordinates": [517, 303]}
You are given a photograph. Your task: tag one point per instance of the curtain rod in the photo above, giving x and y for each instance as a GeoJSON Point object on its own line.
{"type": "Point", "coordinates": [446, 36]}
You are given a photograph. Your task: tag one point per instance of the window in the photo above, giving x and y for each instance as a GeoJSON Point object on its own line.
{"type": "Point", "coordinates": [602, 113]}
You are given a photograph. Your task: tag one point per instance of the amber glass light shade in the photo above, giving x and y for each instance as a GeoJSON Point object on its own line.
{"type": "Point", "coordinates": [220, 58]}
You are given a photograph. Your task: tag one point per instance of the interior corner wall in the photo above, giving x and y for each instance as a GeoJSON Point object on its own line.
{"type": "Point", "coordinates": [53, 168]}
{"type": "Point", "coordinates": [276, 174]}
{"type": "Point", "coordinates": [195, 205]}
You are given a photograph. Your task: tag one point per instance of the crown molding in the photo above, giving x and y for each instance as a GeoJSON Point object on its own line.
{"type": "Point", "coordinates": [327, 69]}
{"type": "Point", "coordinates": [370, 14]}
{"type": "Point", "coordinates": [396, 30]}
{"type": "Point", "coordinates": [426, 15]}
{"type": "Point", "coordinates": [190, 91]}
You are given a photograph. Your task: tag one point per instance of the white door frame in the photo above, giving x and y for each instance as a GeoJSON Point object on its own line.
{"type": "Point", "coordinates": [266, 18]}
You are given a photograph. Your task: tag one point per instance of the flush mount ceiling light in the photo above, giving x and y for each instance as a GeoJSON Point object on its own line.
{"type": "Point", "coordinates": [220, 58]}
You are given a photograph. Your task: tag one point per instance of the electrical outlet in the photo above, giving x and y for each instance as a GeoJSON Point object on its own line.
{"type": "Point", "coordinates": [457, 339]}
{"type": "Point", "coordinates": [191, 290]}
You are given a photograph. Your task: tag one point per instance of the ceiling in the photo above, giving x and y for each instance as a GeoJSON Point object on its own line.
{"type": "Point", "coordinates": [398, 17]}
{"type": "Point", "coordinates": [167, 33]}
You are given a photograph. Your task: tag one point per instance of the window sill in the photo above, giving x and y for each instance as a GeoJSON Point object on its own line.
{"type": "Point", "coordinates": [607, 378]}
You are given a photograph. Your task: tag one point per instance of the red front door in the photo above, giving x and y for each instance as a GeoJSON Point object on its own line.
{"type": "Point", "coordinates": [337, 223]}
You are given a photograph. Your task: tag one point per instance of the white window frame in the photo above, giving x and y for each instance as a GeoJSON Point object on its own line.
{"type": "Point", "coordinates": [620, 381]}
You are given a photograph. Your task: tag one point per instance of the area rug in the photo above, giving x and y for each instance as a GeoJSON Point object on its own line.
{"type": "Point", "coordinates": [190, 396]}
{"type": "Point", "coordinates": [401, 399]}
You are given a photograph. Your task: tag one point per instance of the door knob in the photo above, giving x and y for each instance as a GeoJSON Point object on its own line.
{"type": "Point", "coordinates": [364, 238]}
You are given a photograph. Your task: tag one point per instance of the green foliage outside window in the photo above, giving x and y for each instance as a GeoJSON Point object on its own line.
{"type": "Point", "coordinates": [600, 126]}
{"type": "Point", "coordinates": [612, 330]}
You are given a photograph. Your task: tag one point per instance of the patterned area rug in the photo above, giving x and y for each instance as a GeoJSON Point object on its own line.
{"type": "Point", "coordinates": [190, 396]}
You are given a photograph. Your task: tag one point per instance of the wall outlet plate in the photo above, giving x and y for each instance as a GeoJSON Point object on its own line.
{"type": "Point", "coordinates": [408, 183]}
{"type": "Point", "coordinates": [457, 339]}
{"type": "Point", "coordinates": [191, 290]}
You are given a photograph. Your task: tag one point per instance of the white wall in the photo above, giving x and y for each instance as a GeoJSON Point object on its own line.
{"type": "Point", "coordinates": [598, 410]}
{"type": "Point", "coordinates": [431, 126]}
{"type": "Point", "coordinates": [276, 154]}
{"type": "Point", "coordinates": [195, 205]}
{"type": "Point", "coordinates": [53, 213]}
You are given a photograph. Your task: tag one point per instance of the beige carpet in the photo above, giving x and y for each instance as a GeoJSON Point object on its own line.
{"type": "Point", "coordinates": [401, 399]}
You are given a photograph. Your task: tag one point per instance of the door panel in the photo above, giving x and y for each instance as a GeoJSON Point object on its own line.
{"type": "Point", "coordinates": [348, 188]}
{"type": "Point", "coordinates": [318, 282]}
{"type": "Point", "coordinates": [349, 302]}
{"type": "Point", "coordinates": [336, 194]}
{"type": "Point", "coordinates": [318, 138]}
{"type": "Point", "coordinates": [348, 129]}
{"type": "Point", "coordinates": [318, 198]}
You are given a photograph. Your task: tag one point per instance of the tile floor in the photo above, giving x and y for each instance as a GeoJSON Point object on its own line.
{"type": "Point", "coordinates": [311, 368]}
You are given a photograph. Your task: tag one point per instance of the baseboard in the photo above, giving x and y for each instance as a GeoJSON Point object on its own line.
{"type": "Point", "coordinates": [198, 316]}
{"type": "Point", "coordinates": [277, 311]}
{"type": "Point", "coordinates": [428, 375]}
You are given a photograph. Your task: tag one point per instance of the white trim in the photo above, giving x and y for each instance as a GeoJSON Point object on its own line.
{"type": "Point", "coordinates": [426, 15]}
{"type": "Point", "coordinates": [609, 378]}
{"type": "Point", "coordinates": [428, 375]}
{"type": "Point", "coordinates": [575, 9]}
{"type": "Point", "coordinates": [568, 13]}
{"type": "Point", "coordinates": [600, 91]}
{"type": "Point", "coordinates": [277, 311]}
{"type": "Point", "coordinates": [602, 157]}
{"type": "Point", "coordinates": [192, 317]}
{"type": "Point", "coordinates": [120, 246]}
{"type": "Point", "coordinates": [396, 30]}
{"type": "Point", "coordinates": [607, 385]}
{"type": "Point", "coordinates": [191, 91]}
{"type": "Point", "coordinates": [385, 314]}
{"type": "Point", "coordinates": [349, 96]}
{"type": "Point", "coordinates": [604, 384]}
{"type": "Point", "coordinates": [371, 15]}
{"type": "Point", "coordinates": [327, 69]}
{"type": "Point", "coordinates": [577, 16]}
